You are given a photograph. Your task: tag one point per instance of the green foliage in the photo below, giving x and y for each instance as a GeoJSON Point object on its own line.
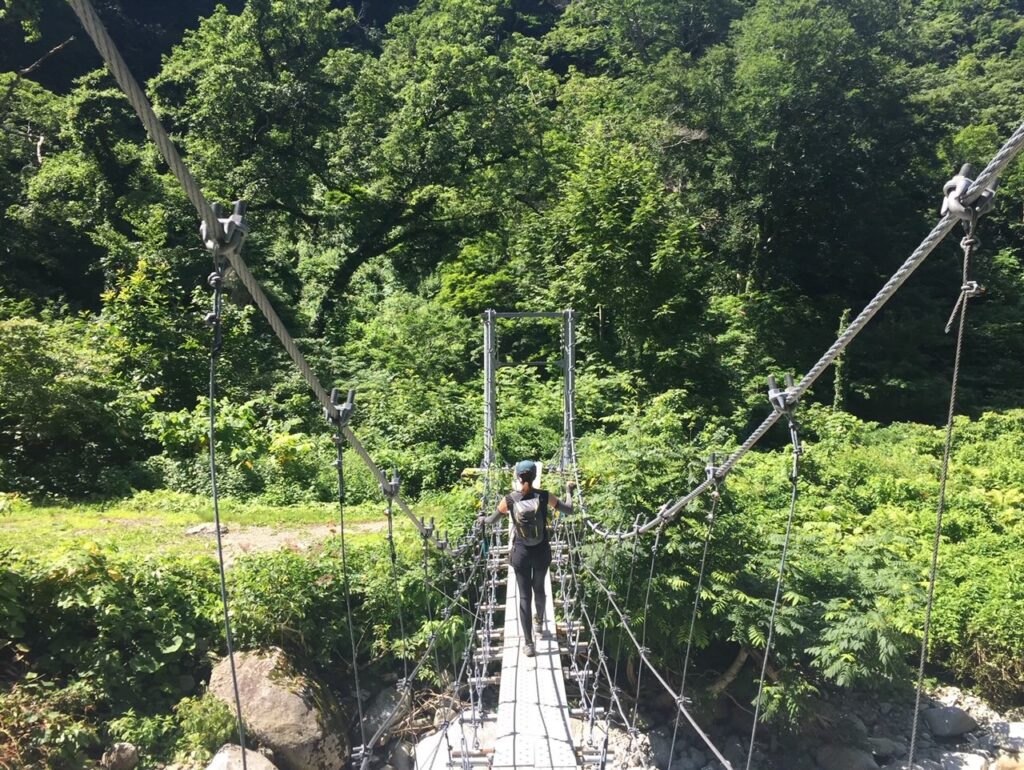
{"type": "Point", "coordinates": [852, 608]}
{"type": "Point", "coordinates": [38, 729]}
{"type": "Point", "coordinates": [69, 425]}
{"type": "Point", "coordinates": [193, 732]}
{"type": "Point", "coordinates": [206, 725]}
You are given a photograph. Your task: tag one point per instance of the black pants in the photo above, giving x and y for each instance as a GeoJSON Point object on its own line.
{"type": "Point", "coordinates": [531, 566]}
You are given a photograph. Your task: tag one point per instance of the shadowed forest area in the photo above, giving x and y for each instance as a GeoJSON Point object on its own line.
{"type": "Point", "coordinates": [714, 187]}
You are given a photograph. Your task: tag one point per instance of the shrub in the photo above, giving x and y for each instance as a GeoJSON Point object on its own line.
{"type": "Point", "coordinates": [69, 424]}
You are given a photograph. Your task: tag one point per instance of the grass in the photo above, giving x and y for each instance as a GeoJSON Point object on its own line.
{"type": "Point", "coordinates": [157, 521]}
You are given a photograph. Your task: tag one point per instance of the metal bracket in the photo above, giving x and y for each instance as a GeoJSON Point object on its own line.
{"type": "Point", "coordinates": [390, 488]}
{"type": "Point", "coordinates": [342, 410]}
{"type": "Point", "coordinates": [955, 189]}
{"type": "Point", "coordinates": [234, 229]}
{"type": "Point", "coordinates": [782, 400]}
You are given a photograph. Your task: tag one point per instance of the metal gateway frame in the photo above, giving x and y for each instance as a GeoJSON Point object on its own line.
{"type": "Point", "coordinates": [567, 363]}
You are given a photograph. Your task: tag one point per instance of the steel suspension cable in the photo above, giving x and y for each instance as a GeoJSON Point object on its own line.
{"type": "Point", "coordinates": [339, 464]}
{"type": "Point", "coordinates": [794, 433]}
{"type": "Point", "coordinates": [629, 591]}
{"type": "Point", "coordinates": [715, 496]}
{"type": "Point", "coordinates": [406, 685]}
{"type": "Point", "coordinates": [643, 631]}
{"type": "Point", "coordinates": [216, 281]}
{"type": "Point", "coordinates": [654, 671]}
{"type": "Point", "coordinates": [969, 243]}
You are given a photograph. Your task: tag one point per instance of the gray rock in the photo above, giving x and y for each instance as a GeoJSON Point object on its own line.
{"type": "Point", "coordinates": [734, 750]}
{"type": "Point", "coordinates": [949, 721]}
{"type": "Point", "coordinates": [286, 711]}
{"type": "Point", "coordinates": [230, 758]}
{"type": "Point", "coordinates": [1008, 735]}
{"type": "Point", "coordinates": [661, 744]}
{"type": "Point", "coordinates": [120, 756]}
{"type": "Point", "coordinates": [959, 760]}
{"type": "Point", "coordinates": [833, 757]}
{"type": "Point", "coordinates": [884, 748]}
{"type": "Point", "coordinates": [389, 701]}
{"type": "Point", "coordinates": [404, 756]}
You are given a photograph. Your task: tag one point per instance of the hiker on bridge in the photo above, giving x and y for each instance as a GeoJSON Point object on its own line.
{"type": "Point", "coordinates": [530, 555]}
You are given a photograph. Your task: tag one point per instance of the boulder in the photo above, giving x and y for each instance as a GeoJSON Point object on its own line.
{"type": "Point", "coordinates": [404, 756]}
{"type": "Point", "coordinates": [120, 756]}
{"type": "Point", "coordinates": [389, 700]}
{"type": "Point", "coordinates": [230, 758]}
{"type": "Point", "coordinates": [949, 721]}
{"type": "Point", "coordinates": [285, 711]}
{"type": "Point", "coordinates": [959, 760]}
{"type": "Point", "coordinates": [1008, 736]}
{"type": "Point", "coordinates": [884, 748]}
{"type": "Point", "coordinates": [834, 757]}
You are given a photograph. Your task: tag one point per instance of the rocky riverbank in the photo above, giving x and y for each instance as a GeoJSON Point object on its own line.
{"type": "Point", "coordinates": [294, 724]}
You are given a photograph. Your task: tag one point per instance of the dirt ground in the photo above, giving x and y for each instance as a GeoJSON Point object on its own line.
{"type": "Point", "coordinates": [240, 540]}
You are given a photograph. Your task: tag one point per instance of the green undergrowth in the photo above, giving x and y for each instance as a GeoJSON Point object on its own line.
{"type": "Point", "coordinates": [106, 644]}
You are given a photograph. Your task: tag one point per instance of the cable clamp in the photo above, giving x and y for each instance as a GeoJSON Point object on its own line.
{"type": "Point", "coordinates": [783, 400]}
{"type": "Point", "coordinates": [390, 488]}
{"type": "Point", "coordinates": [234, 229]}
{"type": "Point", "coordinates": [955, 190]}
{"type": "Point", "coordinates": [972, 289]}
{"type": "Point", "coordinates": [340, 413]}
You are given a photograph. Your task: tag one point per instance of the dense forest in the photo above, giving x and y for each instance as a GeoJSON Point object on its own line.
{"type": "Point", "coordinates": [714, 187]}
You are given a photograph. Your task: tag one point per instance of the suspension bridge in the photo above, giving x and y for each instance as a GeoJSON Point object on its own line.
{"type": "Point", "coordinates": [556, 709]}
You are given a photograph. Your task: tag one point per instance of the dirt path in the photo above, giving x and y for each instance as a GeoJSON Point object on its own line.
{"type": "Point", "coordinates": [240, 540]}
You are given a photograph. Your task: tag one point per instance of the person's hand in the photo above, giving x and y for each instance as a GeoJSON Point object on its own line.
{"type": "Point", "coordinates": [570, 488]}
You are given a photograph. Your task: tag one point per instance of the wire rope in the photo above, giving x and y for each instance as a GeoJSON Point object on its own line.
{"type": "Point", "coordinates": [969, 243]}
{"type": "Point", "coordinates": [794, 433]}
{"type": "Point", "coordinates": [216, 281]}
{"type": "Point", "coordinates": [643, 631]}
{"type": "Point", "coordinates": [107, 49]}
{"type": "Point", "coordinates": [340, 466]}
{"type": "Point", "coordinates": [693, 615]}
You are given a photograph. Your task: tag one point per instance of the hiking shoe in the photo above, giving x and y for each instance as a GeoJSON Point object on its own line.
{"type": "Point", "coordinates": [538, 623]}
{"type": "Point", "coordinates": [529, 650]}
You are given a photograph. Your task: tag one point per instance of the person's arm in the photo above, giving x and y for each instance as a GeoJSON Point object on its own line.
{"type": "Point", "coordinates": [499, 511]}
{"type": "Point", "coordinates": [560, 505]}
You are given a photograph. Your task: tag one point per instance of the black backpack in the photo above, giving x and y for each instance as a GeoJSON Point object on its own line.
{"type": "Point", "coordinates": [529, 517]}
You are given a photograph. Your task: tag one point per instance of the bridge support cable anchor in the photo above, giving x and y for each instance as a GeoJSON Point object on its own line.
{"type": "Point", "coordinates": [955, 200]}
{"type": "Point", "coordinates": [228, 240]}
{"type": "Point", "coordinates": [785, 402]}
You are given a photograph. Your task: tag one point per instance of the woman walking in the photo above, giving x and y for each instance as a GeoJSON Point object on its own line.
{"type": "Point", "coordinates": [530, 555]}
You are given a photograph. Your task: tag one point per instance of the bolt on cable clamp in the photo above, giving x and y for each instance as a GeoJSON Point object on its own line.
{"type": "Point", "coordinates": [955, 189]}
{"type": "Point", "coordinates": [233, 230]}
